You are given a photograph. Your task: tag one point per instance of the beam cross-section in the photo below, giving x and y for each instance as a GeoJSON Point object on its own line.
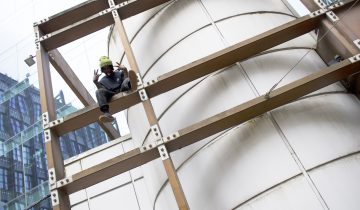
{"type": "Point", "coordinates": [151, 117]}
{"type": "Point", "coordinates": [216, 123]}
{"type": "Point", "coordinates": [197, 69]}
{"type": "Point", "coordinates": [65, 71]}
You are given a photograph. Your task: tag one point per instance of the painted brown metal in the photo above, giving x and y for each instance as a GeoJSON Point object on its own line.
{"type": "Point", "coordinates": [91, 113]}
{"type": "Point", "coordinates": [52, 142]}
{"type": "Point", "coordinates": [53, 152]}
{"type": "Point", "coordinates": [151, 117]}
{"type": "Point", "coordinates": [65, 71]}
{"type": "Point", "coordinates": [196, 70]}
{"type": "Point", "coordinates": [88, 21]}
{"type": "Point", "coordinates": [215, 124]}
{"type": "Point", "coordinates": [261, 105]}
{"type": "Point", "coordinates": [110, 168]}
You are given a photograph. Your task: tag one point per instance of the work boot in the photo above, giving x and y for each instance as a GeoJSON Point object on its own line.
{"type": "Point", "coordinates": [106, 117]}
{"type": "Point", "coordinates": [133, 80]}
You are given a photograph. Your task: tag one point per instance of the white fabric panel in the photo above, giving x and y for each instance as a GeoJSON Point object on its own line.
{"type": "Point", "coordinates": [267, 70]}
{"type": "Point", "coordinates": [292, 195]}
{"type": "Point", "coordinates": [223, 9]}
{"type": "Point", "coordinates": [321, 128]}
{"type": "Point", "coordinates": [122, 198]}
{"type": "Point", "coordinates": [164, 30]}
{"type": "Point", "coordinates": [244, 162]}
{"type": "Point", "coordinates": [339, 183]}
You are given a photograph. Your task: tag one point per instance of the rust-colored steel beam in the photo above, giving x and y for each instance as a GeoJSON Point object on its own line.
{"type": "Point", "coordinates": [65, 71]}
{"type": "Point", "coordinates": [151, 117]}
{"type": "Point", "coordinates": [261, 105]}
{"type": "Point", "coordinates": [197, 69]}
{"type": "Point", "coordinates": [108, 169]}
{"type": "Point", "coordinates": [215, 124]}
{"type": "Point", "coordinates": [61, 29]}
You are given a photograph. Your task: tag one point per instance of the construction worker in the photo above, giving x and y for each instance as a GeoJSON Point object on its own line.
{"type": "Point", "coordinates": [114, 81]}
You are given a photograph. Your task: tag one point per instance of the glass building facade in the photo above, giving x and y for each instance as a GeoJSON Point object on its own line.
{"type": "Point", "coordinates": [23, 166]}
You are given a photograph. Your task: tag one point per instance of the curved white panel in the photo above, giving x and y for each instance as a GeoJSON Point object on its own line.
{"type": "Point", "coordinates": [264, 163]}
{"type": "Point", "coordinates": [321, 128]}
{"type": "Point", "coordinates": [339, 183]}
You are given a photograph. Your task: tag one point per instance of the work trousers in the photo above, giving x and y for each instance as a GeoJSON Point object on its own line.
{"type": "Point", "coordinates": [104, 95]}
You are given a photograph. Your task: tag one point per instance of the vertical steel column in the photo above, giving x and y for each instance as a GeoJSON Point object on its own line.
{"type": "Point", "coordinates": [56, 169]}
{"type": "Point", "coordinates": [149, 110]}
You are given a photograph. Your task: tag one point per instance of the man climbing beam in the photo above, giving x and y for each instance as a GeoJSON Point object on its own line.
{"type": "Point", "coordinates": [114, 81]}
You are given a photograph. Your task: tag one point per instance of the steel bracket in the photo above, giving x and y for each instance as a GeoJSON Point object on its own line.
{"type": "Point", "coordinates": [64, 181]}
{"type": "Point", "coordinates": [333, 6]}
{"type": "Point", "coordinates": [45, 120]}
{"type": "Point", "coordinates": [148, 83]}
{"type": "Point", "coordinates": [331, 15]}
{"type": "Point", "coordinates": [317, 13]}
{"type": "Point", "coordinates": [171, 137]}
{"type": "Point", "coordinates": [357, 43]}
{"type": "Point", "coordinates": [47, 135]}
{"type": "Point", "coordinates": [320, 3]}
{"type": "Point", "coordinates": [52, 178]}
{"type": "Point", "coordinates": [139, 80]}
{"type": "Point", "coordinates": [157, 143]}
{"type": "Point", "coordinates": [148, 147]}
{"type": "Point", "coordinates": [163, 152]}
{"type": "Point", "coordinates": [143, 95]}
{"type": "Point", "coordinates": [156, 131]}
{"type": "Point", "coordinates": [55, 122]}
{"type": "Point", "coordinates": [355, 58]}
{"type": "Point", "coordinates": [40, 22]}
{"type": "Point", "coordinates": [46, 36]}
{"type": "Point", "coordinates": [54, 197]}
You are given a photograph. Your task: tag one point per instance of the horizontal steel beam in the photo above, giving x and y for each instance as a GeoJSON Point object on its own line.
{"type": "Point", "coordinates": [215, 124]}
{"type": "Point", "coordinates": [197, 69]}
{"type": "Point", "coordinates": [85, 19]}
{"type": "Point", "coordinates": [108, 169]}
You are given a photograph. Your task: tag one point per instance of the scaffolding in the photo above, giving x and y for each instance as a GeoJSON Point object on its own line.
{"type": "Point", "coordinates": [94, 15]}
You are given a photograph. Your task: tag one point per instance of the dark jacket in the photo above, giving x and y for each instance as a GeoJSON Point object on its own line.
{"type": "Point", "coordinates": [112, 83]}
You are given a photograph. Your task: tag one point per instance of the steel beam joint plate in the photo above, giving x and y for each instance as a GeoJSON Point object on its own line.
{"type": "Point", "coordinates": [317, 13]}
{"type": "Point", "coordinates": [171, 137]}
{"type": "Point", "coordinates": [357, 43]}
{"type": "Point", "coordinates": [156, 131]}
{"type": "Point", "coordinates": [331, 15]}
{"type": "Point", "coordinates": [64, 181]}
{"type": "Point", "coordinates": [47, 135]}
{"type": "Point", "coordinates": [52, 176]}
{"type": "Point", "coordinates": [139, 80]}
{"type": "Point", "coordinates": [54, 197]}
{"type": "Point", "coordinates": [320, 3]}
{"type": "Point", "coordinates": [148, 83]}
{"type": "Point", "coordinates": [143, 95]}
{"type": "Point", "coordinates": [355, 58]}
{"type": "Point", "coordinates": [56, 122]}
{"type": "Point", "coordinates": [163, 152]}
{"type": "Point", "coordinates": [148, 147]}
{"type": "Point", "coordinates": [45, 120]}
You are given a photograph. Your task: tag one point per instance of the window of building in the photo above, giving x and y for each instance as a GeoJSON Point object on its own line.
{"type": "Point", "coordinates": [22, 104]}
{"type": "Point", "coordinates": [17, 154]}
{"type": "Point", "coordinates": [15, 125]}
{"type": "Point", "coordinates": [2, 122]}
{"type": "Point", "coordinates": [13, 102]}
{"type": "Point", "coordinates": [3, 179]}
{"type": "Point", "coordinates": [26, 155]}
{"type": "Point", "coordinates": [28, 184]}
{"type": "Point", "coordinates": [37, 111]}
{"type": "Point", "coordinates": [19, 185]}
{"type": "Point", "coordinates": [38, 161]}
